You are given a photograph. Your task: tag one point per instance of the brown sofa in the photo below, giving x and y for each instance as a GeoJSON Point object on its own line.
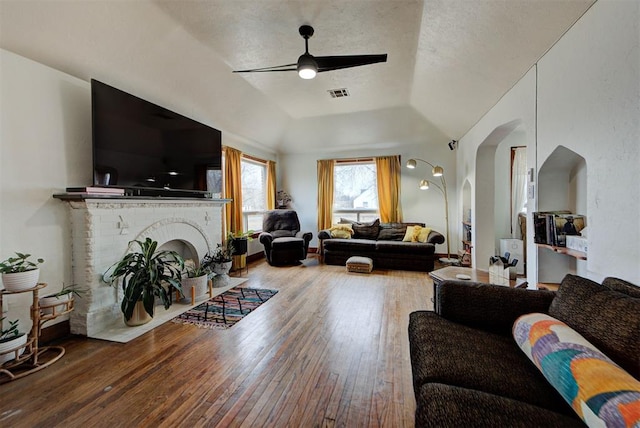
{"type": "Point", "coordinates": [382, 243]}
{"type": "Point", "coordinates": [469, 371]}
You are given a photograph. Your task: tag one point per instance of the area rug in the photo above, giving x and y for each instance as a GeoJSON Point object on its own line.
{"type": "Point", "coordinates": [223, 311]}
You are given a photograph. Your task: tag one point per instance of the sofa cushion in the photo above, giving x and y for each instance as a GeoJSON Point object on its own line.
{"type": "Point", "coordinates": [283, 233]}
{"type": "Point", "coordinates": [599, 391]}
{"type": "Point", "coordinates": [366, 230]}
{"type": "Point", "coordinates": [489, 307]}
{"type": "Point", "coordinates": [392, 231]}
{"type": "Point", "coordinates": [622, 286]}
{"type": "Point", "coordinates": [286, 243]}
{"type": "Point", "coordinates": [439, 405]}
{"type": "Point", "coordinates": [446, 352]}
{"type": "Point", "coordinates": [607, 318]}
{"type": "Point", "coordinates": [350, 245]}
{"type": "Point", "coordinates": [395, 247]}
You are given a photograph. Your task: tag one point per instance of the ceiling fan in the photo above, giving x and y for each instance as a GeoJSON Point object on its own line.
{"type": "Point", "coordinates": [308, 65]}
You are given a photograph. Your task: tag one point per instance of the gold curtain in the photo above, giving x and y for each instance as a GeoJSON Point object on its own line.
{"type": "Point", "coordinates": [271, 185]}
{"type": "Point", "coordinates": [388, 177]}
{"type": "Point", "coordinates": [233, 190]}
{"type": "Point", "coordinates": [325, 193]}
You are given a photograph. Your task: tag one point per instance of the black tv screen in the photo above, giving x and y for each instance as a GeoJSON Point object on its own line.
{"type": "Point", "coordinates": [142, 145]}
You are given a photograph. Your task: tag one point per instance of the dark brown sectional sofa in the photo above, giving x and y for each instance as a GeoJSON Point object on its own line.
{"type": "Point", "coordinates": [469, 371]}
{"type": "Point", "coordinates": [382, 242]}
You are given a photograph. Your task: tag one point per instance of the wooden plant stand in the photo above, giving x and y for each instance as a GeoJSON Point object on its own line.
{"type": "Point", "coordinates": [30, 357]}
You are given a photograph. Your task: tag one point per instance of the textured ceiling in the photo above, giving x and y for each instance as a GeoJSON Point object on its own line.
{"type": "Point", "coordinates": [449, 61]}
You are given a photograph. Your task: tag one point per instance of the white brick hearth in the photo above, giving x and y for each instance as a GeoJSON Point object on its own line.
{"type": "Point", "coordinates": [101, 231]}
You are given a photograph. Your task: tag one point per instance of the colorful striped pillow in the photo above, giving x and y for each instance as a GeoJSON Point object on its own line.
{"type": "Point", "coordinates": [600, 392]}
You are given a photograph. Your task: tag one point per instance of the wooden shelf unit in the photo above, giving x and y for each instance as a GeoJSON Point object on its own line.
{"type": "Point", "coordinates": [33, 357]}
{"type": "Point", "coordinates": [564, 250]}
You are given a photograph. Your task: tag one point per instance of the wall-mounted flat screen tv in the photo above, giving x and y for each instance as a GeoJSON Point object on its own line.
{"type": "Point", "coordinates": [138, 144]}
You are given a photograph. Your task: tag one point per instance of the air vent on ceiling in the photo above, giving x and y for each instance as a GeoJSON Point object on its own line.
{"type": "Point", "coordinates": [338, 93]}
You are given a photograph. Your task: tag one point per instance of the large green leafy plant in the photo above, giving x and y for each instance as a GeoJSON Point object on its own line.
{"type": "Point", "coordinates": [146, 275]}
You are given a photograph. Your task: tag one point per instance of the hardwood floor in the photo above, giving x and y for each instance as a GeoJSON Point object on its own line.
{"type": "Point", "coordinates": [330, 349]}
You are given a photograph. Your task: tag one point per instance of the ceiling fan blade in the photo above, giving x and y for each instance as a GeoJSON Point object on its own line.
{"type": "Point", "coordinates": [328, 63]}
{"type": "Point", "coordinates": [285, 67]}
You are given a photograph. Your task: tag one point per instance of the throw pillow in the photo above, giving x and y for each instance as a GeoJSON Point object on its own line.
{"type": "Point", "coordinates": [597, 389]}
{"type": "Point", "coordinates": [609, 319]}
{"type": "Point", "coordinates": [366, 230]}
{"type": "Point", "coordinates": [416, 234]}
{"type": "Point", "coordinates": [392, 231]}
{"type": "Point", "coordinates": [341, 231]}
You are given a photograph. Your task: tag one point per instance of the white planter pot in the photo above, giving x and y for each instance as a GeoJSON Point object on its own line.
{"type": "Point", "coordinates": [222, 268]}
{"type": "Point", "coordinates": [20, 281]}
{"type": "Point", "coordinates": [59, 301]}
{"type": "Point", "coordinates": [12, 344]}
{"type": "Point", "coordinates": [199, 284]}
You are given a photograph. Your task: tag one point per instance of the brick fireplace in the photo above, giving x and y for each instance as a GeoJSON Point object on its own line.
{"type": "Point", "coordinates": [101, 231]}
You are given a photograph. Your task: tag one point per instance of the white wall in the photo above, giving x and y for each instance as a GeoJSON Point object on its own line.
{"type": "Point", "coordinates": [589, 101]}
{"type": "Point", "coordinates": [515, 111]}
{"type": "Point", "coordinates": [45, 146]}
{"type": "Point", "coordinates": [587, 92]}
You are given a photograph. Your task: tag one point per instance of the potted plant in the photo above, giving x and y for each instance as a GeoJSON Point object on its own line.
{"type": "Point", "coordinates": [57, 302]}
{"type": "Point", "coordinates": [11, 340]}
{"type": "Point", "coordinates": [145, 275]}
{"type": "Point", "coordinates": [219, 261]}
{"type": "Point", "coordinates": [19, 273]}
{"type": "Point", "coordinates": [195, 278]}
{"type": "Point", "coordinates": [240, 241]}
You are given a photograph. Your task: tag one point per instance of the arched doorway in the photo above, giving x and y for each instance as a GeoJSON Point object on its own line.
{"type": "Point", "coordinates": [492, 217]}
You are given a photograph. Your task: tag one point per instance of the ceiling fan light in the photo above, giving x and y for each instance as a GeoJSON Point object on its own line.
{"type": "Point", "coordinates": [307, 67]}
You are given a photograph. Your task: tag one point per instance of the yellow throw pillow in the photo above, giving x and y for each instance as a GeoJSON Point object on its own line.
{"type": "Point", "coordinates": [416, 234]}
{"type": "Point", "coordinates": [341, 231]}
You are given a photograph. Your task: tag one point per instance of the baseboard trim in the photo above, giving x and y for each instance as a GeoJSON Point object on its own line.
{"type": "Point", "coordinates": [55, 332]}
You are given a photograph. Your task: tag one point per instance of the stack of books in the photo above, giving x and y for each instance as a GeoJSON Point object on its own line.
{"type": "Point", "coordinates": [97, 190]}
{"type": "Point", "coordinates": [553, 227]}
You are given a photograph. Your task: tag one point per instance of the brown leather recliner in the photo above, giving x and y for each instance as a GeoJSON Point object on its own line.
{"type": "Point", "coordinates": [283, 241]}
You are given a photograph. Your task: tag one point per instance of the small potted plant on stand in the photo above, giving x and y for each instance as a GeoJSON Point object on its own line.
{"type": "Point", "coordinates": [194, 281]}
{"type": "Point", "coordinates": [145, 275]}
{"type": "Point", "coordinates": [219, 262]}
{"type": "Point", "coordinates": [57, 302]}
{"type": "Point", "coordinates": [240, 241]}
{"type": "Point", "coordinates": [11, 340]}
{"type": "Point", "coordinates": [19, 273]}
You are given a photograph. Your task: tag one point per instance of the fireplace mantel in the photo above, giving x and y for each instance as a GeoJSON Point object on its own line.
{"type": "Point", "coordinates": [102, 228]}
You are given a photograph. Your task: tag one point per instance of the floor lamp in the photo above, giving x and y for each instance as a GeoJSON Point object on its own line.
{"type": "Point", "coordinates": [437, 171]}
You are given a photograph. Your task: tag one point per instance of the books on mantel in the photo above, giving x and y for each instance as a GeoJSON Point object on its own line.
{"type": "Point", "coordinates": [94, 190]}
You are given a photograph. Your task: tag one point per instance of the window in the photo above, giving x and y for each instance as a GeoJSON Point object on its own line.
{"type": "Point", "coordinates": [355, 192]}
{"type": "Point", "coordinates": [254, 192]}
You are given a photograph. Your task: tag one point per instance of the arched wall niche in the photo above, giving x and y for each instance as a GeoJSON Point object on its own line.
{"type": "Point", "coordinates": [492, 197]}
{"type": "Point", "coordinates": [562, 185]}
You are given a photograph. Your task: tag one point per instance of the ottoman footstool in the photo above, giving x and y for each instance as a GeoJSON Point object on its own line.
{"type": "Point", "coordinates": [359, 264]}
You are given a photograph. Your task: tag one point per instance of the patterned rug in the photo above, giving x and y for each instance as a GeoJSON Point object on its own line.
{"type": "Point", "coordinates": [223, 311]}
